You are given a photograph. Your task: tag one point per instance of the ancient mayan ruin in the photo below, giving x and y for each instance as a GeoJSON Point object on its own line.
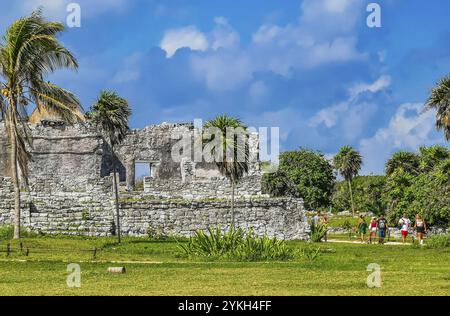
{"type": "Point", "coordinates": [70, 186]}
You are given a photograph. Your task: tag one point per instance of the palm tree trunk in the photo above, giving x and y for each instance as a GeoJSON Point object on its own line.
{"type": "Point", "coordinates": [116, 195]}
{"type": "Point", "coordinates": [232, 203]}
{"type": "Point", "coordinates": [14, 169]}
{"type": "Point", "coordinates": [351, 196]}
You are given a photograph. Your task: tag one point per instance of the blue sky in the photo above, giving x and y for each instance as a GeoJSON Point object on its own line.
{"type": "Point", "coordinates": [311, 67]}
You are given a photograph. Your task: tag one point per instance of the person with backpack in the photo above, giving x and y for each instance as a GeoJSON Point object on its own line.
{"type": "Point", "coordinates": [362, 228]}
{"type": "Point", "coordinates": [382, 227]}
{"type": "Point", "coordinates": [405, 226]}
{"type": "Point", "coordinates": [373, 229]}
{"type": "Point", "coordinates": [421, 228]}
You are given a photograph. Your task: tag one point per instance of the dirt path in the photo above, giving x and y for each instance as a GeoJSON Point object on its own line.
{"type": "Point", "coordinates": [395, 243]}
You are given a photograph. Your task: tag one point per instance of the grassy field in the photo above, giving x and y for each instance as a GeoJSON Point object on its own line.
{"type": "Point", "coordinates": [158, 268]}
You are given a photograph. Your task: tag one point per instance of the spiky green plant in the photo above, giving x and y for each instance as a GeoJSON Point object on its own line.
{"type": "Point", "coordinates": [318, 232]}
{"type": "Point", "coordinates": [236, 244]}
{"type": "Point", "coordinates": [29, 51]}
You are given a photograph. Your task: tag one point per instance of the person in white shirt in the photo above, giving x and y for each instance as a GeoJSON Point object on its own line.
{"type": "Point", "coordinates": [405, 227]}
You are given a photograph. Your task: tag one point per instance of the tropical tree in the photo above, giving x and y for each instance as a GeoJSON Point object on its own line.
{"type": "Point", "coordinates": [110, 114]}
{"type": "Point", "coordinates": [305, 173]}
{"type": "Point", "coordinates": [432, 156]}
{"type": "Point", "coordinates": [439, 100]}
{"type": "Point", "coordinates": [406, 160]}
{"type": "Point", "coordinates": [229, 151]}
{"type": "Point", "coordinates": [348, 162]}
{"type": "Point", "coordinates": [29, 51]}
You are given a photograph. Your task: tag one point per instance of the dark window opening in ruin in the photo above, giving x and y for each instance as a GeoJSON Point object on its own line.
{"type": "Point", "coordinates": [142, 169]}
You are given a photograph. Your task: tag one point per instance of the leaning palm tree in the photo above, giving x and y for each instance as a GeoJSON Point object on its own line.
{"type": "Point", "coordinates": [231, 152]}
{"type": "Point", "coordinates": [406, 160]}
{"type": "Point", "coordinates": [110, 115]}
{"type": "Point", "coordinates": [439, 100]}
{"type": "Point", "coordinates": [28, 52]}
{"type": "Point", "coordinates": [348, 163]}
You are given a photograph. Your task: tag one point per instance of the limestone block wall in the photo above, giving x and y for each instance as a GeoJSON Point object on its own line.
{"type": "Point", "coordinates": [219, 187]}
{"type": "Point", "coordinates": [92, 213]}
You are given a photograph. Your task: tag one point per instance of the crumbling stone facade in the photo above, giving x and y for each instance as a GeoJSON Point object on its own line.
{"type": "Point", "coordinates": [70, 186]}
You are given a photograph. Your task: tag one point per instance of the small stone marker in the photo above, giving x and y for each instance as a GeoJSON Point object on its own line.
{"type": "Point", "coordinates": [116, 270]}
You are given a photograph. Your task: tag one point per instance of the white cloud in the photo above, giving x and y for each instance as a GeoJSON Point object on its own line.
{"type": "Point", "coordinates": [408, 129]}
{"type": "Point", "coordinates": [223, 71]}
{"type": "Point", "coordinates": [351, 113]}
{"type": "Point", "coordinates": [223, 36]}
{"type": "Point", "coordinates": [381, 83]}
{"type": "Point", "coordinates": [188, 36]}
{"type": "Point", "coordinates": [324, 33]}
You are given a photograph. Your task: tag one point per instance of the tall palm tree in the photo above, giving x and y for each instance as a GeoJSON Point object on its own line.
{"type": "Point", "coordinates": [406, 160]}
{"type": "Point", "coordinates": [348, 162]}
{"type": "Point", "coordinates": [232, 156]}
{"type": "Point", "coordinates": [439, 100]}
{"type": "Point", "coordinates": [28, 51]}
{"type": "Point", "coordinates": [110, 114]}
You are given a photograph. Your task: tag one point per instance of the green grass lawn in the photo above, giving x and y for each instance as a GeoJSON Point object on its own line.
{"type": "Point", "coordinates": [158, 268]}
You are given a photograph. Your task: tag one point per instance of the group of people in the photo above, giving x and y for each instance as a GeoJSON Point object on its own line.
{"type": "Point", "coordinates": [379, 227]}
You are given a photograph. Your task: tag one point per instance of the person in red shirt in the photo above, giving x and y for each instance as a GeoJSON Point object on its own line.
{"type": "Point", "coordinates": [372, 229]}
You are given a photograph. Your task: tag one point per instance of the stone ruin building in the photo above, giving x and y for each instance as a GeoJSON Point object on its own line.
{"type": "Point", "coordinates": [70, 186]}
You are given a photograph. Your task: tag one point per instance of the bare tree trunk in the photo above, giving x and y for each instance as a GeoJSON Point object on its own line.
{"type": "Point", "coordinates": [232, 203]}
{"type": "Point", "coordinates": [116, 195]}
{"type": "Point", "coordinates": [351, 196]}
{"type": "Point", "coordinates": [14, 170]}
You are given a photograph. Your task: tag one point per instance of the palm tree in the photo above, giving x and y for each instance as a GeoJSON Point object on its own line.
{"type": "Point", "coordinates": [406, 160]}
{"type": "Point", "coordinates": [232, 156]}
{"type": "Point", "coordinates": [348, 163]}
{"type": "Point", "coordinates": [110, 115]}
{"type": "Point", "coordinates": [439, 100]}
{"type": "Point", "coordinates": [28, 51]}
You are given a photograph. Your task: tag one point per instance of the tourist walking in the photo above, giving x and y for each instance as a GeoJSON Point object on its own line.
{"type": "Point", "coordinates": [373, 229]}
{"type": "Point", "coordinates": [382, 227]}
{"type": "Point", "coordinates": [421, 228]}
{"type": "Point", "coordinates": [405, 224]}
{"type": "Point", "coordinates": [362, 228]}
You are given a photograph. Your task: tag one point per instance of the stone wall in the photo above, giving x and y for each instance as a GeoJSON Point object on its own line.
{"type": "Point", "coordinates": [91, 213]}
{"type": "Point", "coordinates": [196, 189]}
{"type": "Point", "coordinates": [66, 158]}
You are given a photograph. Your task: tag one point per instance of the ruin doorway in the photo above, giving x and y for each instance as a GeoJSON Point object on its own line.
{"type": "Point", "coordinates": [142, 169]}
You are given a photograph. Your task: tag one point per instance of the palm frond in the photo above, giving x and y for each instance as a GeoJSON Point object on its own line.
{"type": "Point", "coordinates": [110, 114]}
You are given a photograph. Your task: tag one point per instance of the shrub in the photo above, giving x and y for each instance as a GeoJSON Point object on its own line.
{"type": "Point", "coordinates": [236, 244]}
{"type": "Point", "coordinates": [439, 241]}
{"type": "Point", "coordinates": [318, 231]}
{"type": "Point", "coordinates": [7, 232]}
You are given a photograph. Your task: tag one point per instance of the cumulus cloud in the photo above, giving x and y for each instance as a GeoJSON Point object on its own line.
{"type": "Point", "coordinates": [188, 36]}
{"type": "Point", "coordinates": [323, 34]}
{"type": "Point", "coordinates": [351, 111]}
{"type": "Point", "coordinates": [223, 35]}
{"type": "Point", "coordinates": [407, 129]}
